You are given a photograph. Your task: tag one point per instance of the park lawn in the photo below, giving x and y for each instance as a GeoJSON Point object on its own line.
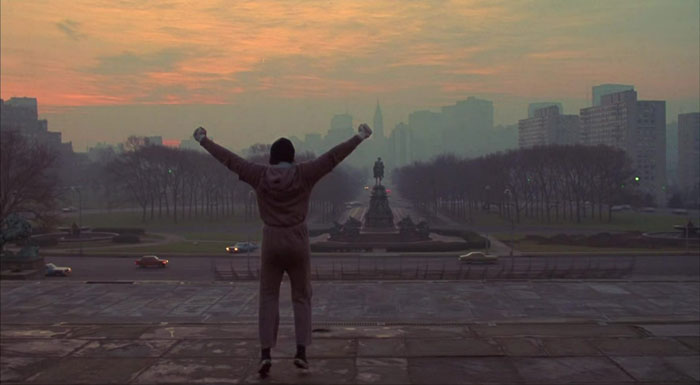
{"type": "Point", "coordinates": [164, 224]}
{"type": "Point", "coordinates": [523, 245]}
{"type": "Point", "coordinates": [622, 221]}
{"type": "Point", "coordinates": [536, 247]}
{"type": "Point", "coordinates": [227, 236]}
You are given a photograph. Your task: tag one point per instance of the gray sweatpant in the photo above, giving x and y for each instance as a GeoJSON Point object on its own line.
{"type": "Point", "coordinates": [284, 249]}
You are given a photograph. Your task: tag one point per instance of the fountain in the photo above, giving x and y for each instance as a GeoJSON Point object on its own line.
{"type": "Point", "coordinates": [684, 235]}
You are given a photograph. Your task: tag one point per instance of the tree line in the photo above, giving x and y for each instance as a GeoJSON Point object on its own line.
{"type": "Point", "coordinates": [163, 182]}
{"type": "Point", "coordinates": [547, 183]}
{"type": "Point", "coordinates": [181, 183]}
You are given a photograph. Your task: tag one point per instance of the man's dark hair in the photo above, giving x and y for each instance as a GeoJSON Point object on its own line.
{"type": "Point", "coordinates": [282, 150]}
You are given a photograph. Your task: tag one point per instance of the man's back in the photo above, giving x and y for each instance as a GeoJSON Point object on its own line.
{"type": "Point", "coordinates": [283, 196]}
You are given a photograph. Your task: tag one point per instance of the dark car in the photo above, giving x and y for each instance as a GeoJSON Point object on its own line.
{"type": "Point", "coordinates": [241, 247]}
{"type": "Point", "coordinates": [61, 271]}
{"type": "Point", "coordinates": [151, 260]}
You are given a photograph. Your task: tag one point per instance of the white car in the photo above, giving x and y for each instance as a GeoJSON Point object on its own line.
{"type": "Point", "coordinates": [52, 269]}
{"type": "Point", "coordinates": [478, 257]}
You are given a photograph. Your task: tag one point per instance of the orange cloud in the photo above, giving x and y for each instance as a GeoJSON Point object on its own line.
{"type": "Point", "coordinates": [78, 52]}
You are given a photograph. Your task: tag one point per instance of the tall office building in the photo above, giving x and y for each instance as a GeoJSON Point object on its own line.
{"type": "Point", "coordinates": [378, 127]}
{"type": "Point", "coordinates": [426, 128]}
{"type": "Point", "coordinates": [400, 145]}
{"type": "Point", "coordinates": [636, 126]}
{"type": "Point", "coordinates": [341, 129]}
{"type": "Point", "coordinates": [548, 126]}
{"type": "Point", "coordinates": [689, 155]}
{"type": "Point", "coordinates": [607, 89]}
{"type": "Point", "coordinates": [464, 126]}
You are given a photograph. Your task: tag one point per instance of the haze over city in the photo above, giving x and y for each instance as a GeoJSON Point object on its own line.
{"type": "Point", "coordinates": [253, 71]}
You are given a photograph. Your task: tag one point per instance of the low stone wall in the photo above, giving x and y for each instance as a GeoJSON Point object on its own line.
{"type": "Point", "coordinates": [16, 268]}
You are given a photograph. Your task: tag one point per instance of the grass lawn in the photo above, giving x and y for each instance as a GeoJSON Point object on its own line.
{"type": "Point", "coordinates": [536, 247]}
{"type": "Point", "coordinates": [622, 221]}
{"type": "Point", "coordinates": [184, 225]}
{"type": "Point", "coordinates": [230, 237]}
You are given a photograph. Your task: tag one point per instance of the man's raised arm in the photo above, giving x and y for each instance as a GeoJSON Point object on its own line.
{"type": "Point", "coordinates": [248, 172]}
{"type": "Point", "coordinates": [316, 169]}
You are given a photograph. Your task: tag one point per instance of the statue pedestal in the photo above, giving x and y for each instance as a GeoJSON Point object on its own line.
{"type": "Point", "coordinates": [379, 216]}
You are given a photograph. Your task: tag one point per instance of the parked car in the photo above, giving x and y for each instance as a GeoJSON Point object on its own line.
{"type": "Point", "coordinates": [680, 211]}
{"type": "Point", "coordinates": [68, 209]}
{"type": "Point", "coordinates": [648, 209]}
{"type": "Point", "coordinates": [241, 247]}
{"type": "Point", "coordinates": [151, 260]}
{"type": "Point", "coordinates": [53, 270]}
{"type": "Point", "coordinates": [478, 257]}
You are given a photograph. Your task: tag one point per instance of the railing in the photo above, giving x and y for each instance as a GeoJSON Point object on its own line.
{"type": "Point", "coordinates": [408, 268]}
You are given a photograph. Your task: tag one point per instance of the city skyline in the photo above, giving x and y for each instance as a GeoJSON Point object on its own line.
{"type": "Point", "coordinates": [256, 71]}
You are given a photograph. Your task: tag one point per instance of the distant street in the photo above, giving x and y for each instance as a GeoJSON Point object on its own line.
{"type": "Point", "coordinates": [201, 268]}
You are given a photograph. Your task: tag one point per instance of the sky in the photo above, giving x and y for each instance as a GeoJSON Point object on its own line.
{"type": "Point", "coordinates": [251, 71]}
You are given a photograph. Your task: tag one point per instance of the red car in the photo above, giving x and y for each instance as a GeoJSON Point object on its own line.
{"type": "Point", "coordinates": [151, 260]}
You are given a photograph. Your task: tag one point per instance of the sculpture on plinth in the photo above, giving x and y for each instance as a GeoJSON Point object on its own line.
{"type": "Point", "coordinates": [379, 215]}
{"type": "Point", "coordinates": [378, 172]}
{"type": "Point", "coordinates": [17, 230]}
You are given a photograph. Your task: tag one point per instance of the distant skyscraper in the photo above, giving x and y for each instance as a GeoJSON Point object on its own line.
{"type": "Point", "coordinates": [689, 155]}
{"type": "Point", "coordinates": [426, 129]}
{"type": "Point", "coordinates": [465, 125]}
{"type": "Point", "coordinates": [400, 145]}
{"type": "Point", "coordinates": [21, 114]}
{"type": "Point", "coordinates": [607, 89]}
{"type": "Point", "coordinates": [536, 106]}
{"type": "Point", "coordinates": [341, 129]}
{"type": "Point", "coordinates": [378, 128]}
{"type": "Point", "coordinates": [637, 127]}
{"type": "Point", "coordinates": [548, 126]}
{"type": "Point", "coordinates": [313, 142]}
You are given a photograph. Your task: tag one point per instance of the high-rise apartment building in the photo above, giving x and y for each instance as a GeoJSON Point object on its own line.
{"type": "Point", "coordinates": [21, 115]}
{"type": "Point", "coordinates": [607, 89]}
{"type": "Point", "coordinates": [548, 126]}
{"type": "Point", "coordinates": [689, 155]}
{"type": "Point", "coordinates": [532, 107]}
{"type": "Point", "coordinates": [636, 126]}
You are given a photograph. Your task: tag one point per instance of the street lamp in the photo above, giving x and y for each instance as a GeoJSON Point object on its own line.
{"type": "Point", "coordinates": [512, 220]}
{"type": "Point", "coordinates": [80, 216]}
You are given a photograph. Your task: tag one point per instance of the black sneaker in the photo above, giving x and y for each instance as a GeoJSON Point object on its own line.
{"type": "Point", "coordinates": [264, 367]}
{"type": "Point", "coordinates": [301, 363]}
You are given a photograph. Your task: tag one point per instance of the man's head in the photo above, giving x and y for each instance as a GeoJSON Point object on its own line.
{"type": "Point", "coordinates": [282, 150]}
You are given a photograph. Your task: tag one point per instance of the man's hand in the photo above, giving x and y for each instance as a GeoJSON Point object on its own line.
{"type": "Point", "coordinates": [364, 131]}
{"type": "Point", "coordinates": [199, 134]}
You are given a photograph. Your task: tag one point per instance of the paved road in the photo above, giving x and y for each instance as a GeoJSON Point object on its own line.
{"type": "Point", "coordinates": [201, 268]}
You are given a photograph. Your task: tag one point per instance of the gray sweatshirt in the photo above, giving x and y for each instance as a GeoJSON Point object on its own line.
{"type": "Point", "coordinates": [282, 192]}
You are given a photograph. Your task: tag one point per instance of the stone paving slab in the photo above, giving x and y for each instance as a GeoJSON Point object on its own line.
{"type": "Point", "coordinates": [564, 370]}
{"type": "Point", "coordinates": [574, 332]}
{"type": "Point", "coordinates": [660, 369]}
{"type": "Point", "coordinates": [71, 354]}
{"type": "Point", "coordinates": [430, 302]}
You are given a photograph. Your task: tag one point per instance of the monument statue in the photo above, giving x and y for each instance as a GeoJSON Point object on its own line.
{"type": "Point", "coordinates": [16, 229]}
{"type": "Point", "coordinates": [378, 171]}
{"type": "Point", "coordinates": [379, 215]}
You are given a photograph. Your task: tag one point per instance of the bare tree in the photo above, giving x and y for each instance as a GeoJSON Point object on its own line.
{"type": "Point", "coordinates": [28, 182]}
